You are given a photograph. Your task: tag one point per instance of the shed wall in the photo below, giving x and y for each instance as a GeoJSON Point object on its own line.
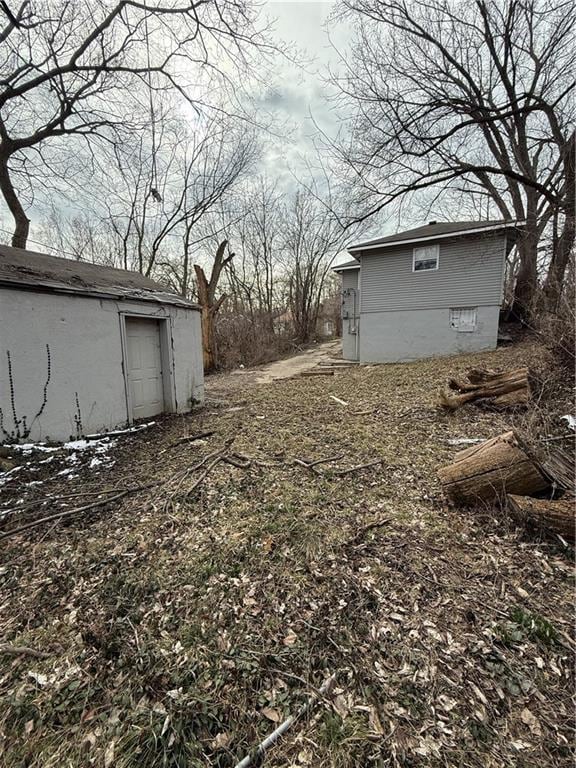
{"type": "Point", "coordinates": [86, 392]}
{"type": "Point", "coordinates": [470, 273]}
{"type": "Point", "coordinates": [409, 335]}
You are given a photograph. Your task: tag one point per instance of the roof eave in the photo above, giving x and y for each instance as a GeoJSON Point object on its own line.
{"type": "Point", "coordinates": [458, 233]}
{"type": "Point", "coordinates": [118, 295]}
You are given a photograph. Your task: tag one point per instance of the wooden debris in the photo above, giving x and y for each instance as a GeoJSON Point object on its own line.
{"type": "Point", "coordinates": [338, 400]}
{"type": "Point", "coordinates": [489, 471]}
{"type": "Point", "coordinates": [316, 372]}
{"type": "Point", "coordinates": [497, 388]}
{"type": "Point", "coordinates": [560, 467]}
{"type": "Point", "coordinates": [557, 515]}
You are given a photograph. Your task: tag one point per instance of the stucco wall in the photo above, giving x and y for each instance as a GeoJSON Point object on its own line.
{"type": "Point", "coordinates": [86, 392]}
{"type": "Point", "coordinates": [410, 334]}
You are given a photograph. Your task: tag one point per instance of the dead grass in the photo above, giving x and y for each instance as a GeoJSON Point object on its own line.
{"type": "Point", "coordinates": [179, 633]}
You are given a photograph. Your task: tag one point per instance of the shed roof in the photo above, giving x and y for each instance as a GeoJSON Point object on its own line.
{"type": "Point", "coordinates": [435, 230]}
{"type": "Point", "coordinates": [20, 268]}
{"type": "Point", "coordinates": [352, 264]}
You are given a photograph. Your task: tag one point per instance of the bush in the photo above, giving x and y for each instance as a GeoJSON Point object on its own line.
{"type": "Point", "coordinates": [248, 340]}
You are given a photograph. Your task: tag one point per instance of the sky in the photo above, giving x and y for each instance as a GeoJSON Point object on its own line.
{"type": "Point", "coordinates": [300, 94]}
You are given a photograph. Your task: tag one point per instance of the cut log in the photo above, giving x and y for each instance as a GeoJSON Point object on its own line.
{"type": "Point", "coordinates": [556, 515]}
{"type": "Point", "coordinates": [487, 472]}
{"type": "Point", "coordinates": [507, 388]}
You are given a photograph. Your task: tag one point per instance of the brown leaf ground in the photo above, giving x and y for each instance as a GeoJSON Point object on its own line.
{"type": "Point", "coordinates": [181, 626]}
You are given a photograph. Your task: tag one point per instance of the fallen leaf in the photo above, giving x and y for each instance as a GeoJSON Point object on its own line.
{"type": "Point", "coordinates": [290, 638]}
{"type": "Point", "coordinates": [531, 721]}
{"type": "Point", "coordinates": [271, 714]}
{"type": "Point", "coordinates": [221, 740]}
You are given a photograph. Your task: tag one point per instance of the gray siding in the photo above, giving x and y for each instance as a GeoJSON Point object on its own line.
{"type": "Point", "coordinates": [470, 273]}
{"type": "Point", "coordinates": [406, 335]}
{"type": "Point", "coordinates": [350, 314]}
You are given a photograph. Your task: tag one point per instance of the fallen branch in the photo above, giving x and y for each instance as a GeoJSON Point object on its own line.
{"type": "Point", "coordinates": [258, 753]}
{"type": "Point", "coordinates": [75, 511]}
{"type": "Point", "coordinates": [22, 650]}
{"type": "Point", "coordinates": [358, 467]}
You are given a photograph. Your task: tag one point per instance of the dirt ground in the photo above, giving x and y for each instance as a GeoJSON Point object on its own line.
{"type": "Point", "coordinates": [179, 624]}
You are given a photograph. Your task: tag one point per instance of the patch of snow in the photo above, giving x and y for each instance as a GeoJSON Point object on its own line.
{"type": "Point", "coordinates": [95, 462]}
{"type": "Point", "coordinates": [127, 431]}
{"type": "Point", "coordinates": [570, 421]}
{"type": "Point", "coordinates": [27, 448]}
{"type": "Point", "coordinates": [5, 476]}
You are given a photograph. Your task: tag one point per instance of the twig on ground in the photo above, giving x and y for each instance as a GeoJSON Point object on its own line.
{"type": "Point", "coordinates": [192, 438]}
{"type": "Point", "coordinates": [22, 650]}
{"type": "Point", "coordinates": [365, 528]}
{"type": "Point", "coordinates": [337, 400]}
{"type": "Point", "coordinates": [358, 467]}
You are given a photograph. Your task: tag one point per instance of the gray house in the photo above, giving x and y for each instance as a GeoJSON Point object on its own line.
{"type": "Point", "coordinates": [433, 290]}
{"type": "Point", "coordinates": [86, 348]}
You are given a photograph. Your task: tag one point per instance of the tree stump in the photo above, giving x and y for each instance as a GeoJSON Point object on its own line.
{"type": "Point", "coordinates": [557, 515]}
{"type": "Point", "coordinates": [487, 472]}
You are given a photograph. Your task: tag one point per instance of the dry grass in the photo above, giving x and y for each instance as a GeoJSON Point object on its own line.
{"type": "Point", "coordinates": [181, 627]}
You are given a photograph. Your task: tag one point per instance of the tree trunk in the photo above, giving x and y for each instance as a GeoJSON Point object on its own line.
{"type": "Point", "coordinates": [487, 472]}
{"type": "Point", "coordinates": [21, 221]}
{"type": "Point", "coordinates": [527, 277]}
{"type": "Point", "coordinates": [565, 245]}
{"type": "Point", "coordinates": [556, 515]}
{"type": "Point", "coordinates": [206, 299]}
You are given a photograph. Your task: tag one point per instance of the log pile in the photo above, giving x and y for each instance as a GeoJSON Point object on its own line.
{"type": "Point", "coordinates": [505, 469]}
{"type": "Point", "coordinates": [500, 389]}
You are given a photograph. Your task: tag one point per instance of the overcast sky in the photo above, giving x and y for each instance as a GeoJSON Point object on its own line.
{"type": "Point", "coordinates": [299, 95]}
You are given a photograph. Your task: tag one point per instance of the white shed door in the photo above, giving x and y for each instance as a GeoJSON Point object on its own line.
{"type": "Point", "coordinates": [144, 367]}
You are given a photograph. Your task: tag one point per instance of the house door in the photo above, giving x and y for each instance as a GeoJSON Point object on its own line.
{"type": "Point", "coordinates": [144, 367]}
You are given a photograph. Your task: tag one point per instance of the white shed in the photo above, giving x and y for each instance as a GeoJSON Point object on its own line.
{"type": "Point", "coordinates": [86, 348]}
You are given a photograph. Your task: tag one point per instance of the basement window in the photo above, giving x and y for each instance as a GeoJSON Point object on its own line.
{"type": "Point", "coordinates": [464, 319]}
{"type": "Point", "coordinates": [425, 258]}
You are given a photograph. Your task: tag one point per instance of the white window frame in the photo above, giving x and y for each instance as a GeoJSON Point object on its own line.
{"type": "Point", "coordinates": [436, 248]}
{"type": "Point", "coordinates": [457, 322]}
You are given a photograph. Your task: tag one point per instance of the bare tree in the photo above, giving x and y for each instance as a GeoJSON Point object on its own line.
{"type": "Point", "coordinates": [156, 225]}
{"type": "Point", "coordinates": [312, 239]}
{"type": "Point", "coordinates": [470, 96]}
{"type": "Point", "coordinates": [71, 69]}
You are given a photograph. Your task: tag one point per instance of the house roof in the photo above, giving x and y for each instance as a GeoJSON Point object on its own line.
{"type": "Point", "coordinates": [435, 230]}
{"type": "Point", "coordinates": [20, 268]}
{"type": "Point", "coordinates": [352, 264]}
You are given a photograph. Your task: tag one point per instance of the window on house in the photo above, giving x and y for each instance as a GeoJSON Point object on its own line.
{"type": "Point", "coordinates": [464, 319]}
{"type": "Point", "coordinates": [425, 258]}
